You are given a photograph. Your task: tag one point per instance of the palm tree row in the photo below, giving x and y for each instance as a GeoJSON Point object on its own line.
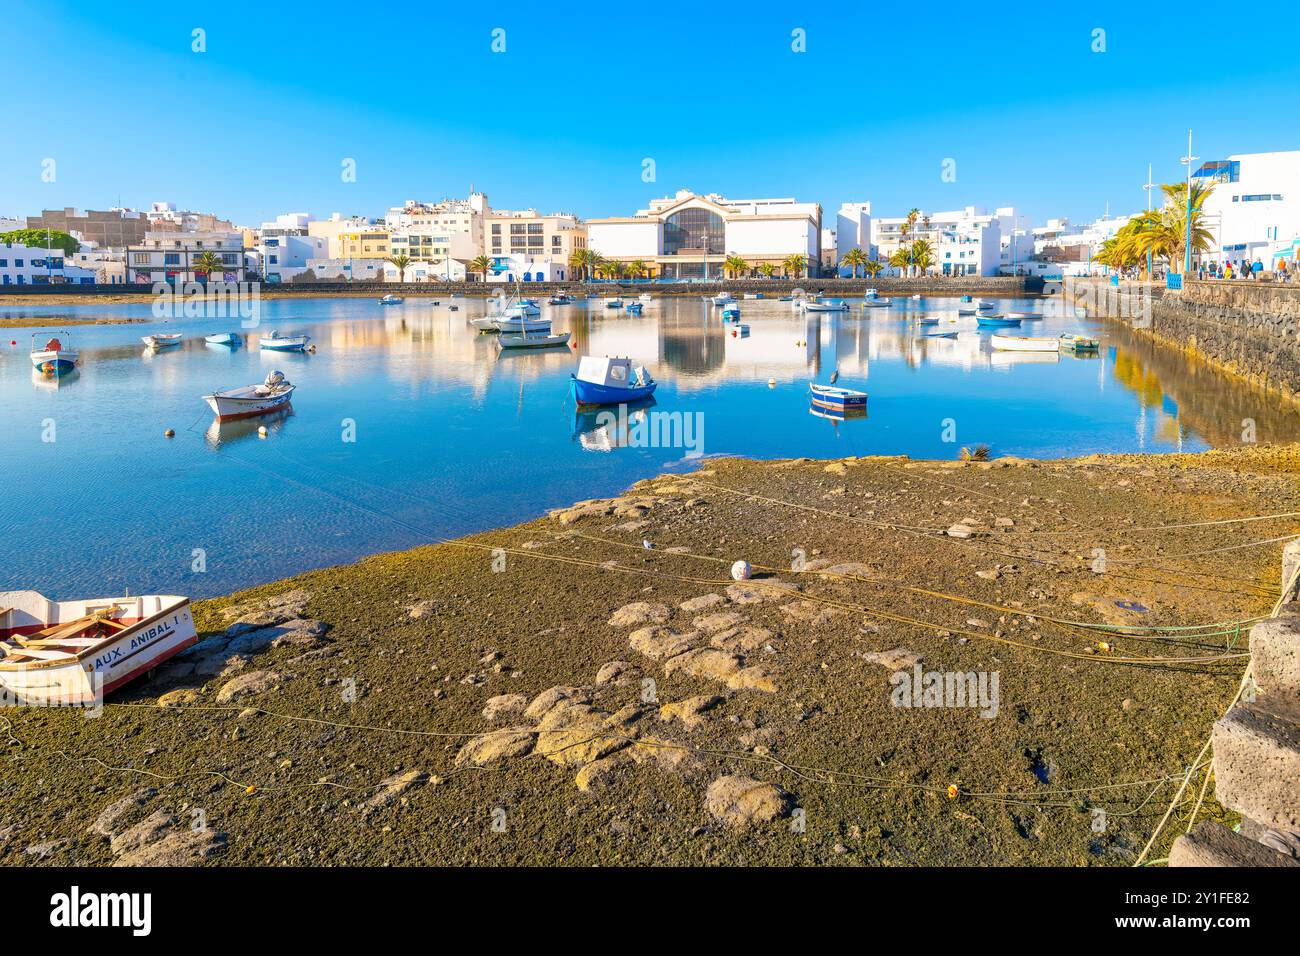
{"type": "Point", "coordinates": [913, 259]}
{"type": "Point", "coordinates": [1162, 233]}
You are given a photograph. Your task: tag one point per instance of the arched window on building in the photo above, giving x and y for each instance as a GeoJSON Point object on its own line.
{"type": "Point", "coordinates": [694, 231]}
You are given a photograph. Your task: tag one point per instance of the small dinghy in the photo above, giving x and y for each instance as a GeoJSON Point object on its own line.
{"type": "Point", "coordinates": [646, 297]}
{"type": "Point", "coordinates": [275, 342]}
{"type": "Point", "coordinates": [928, 320]}
{"type": "Point", "coordinates": [836, 398]}
{"type": "Point", "coordinates": [391, 299]}
{"type": "Point", "coordinates": [72, 653]}
{"type": "Point", "coordinates": [723, 298]}
{"type": "Point", "coordinates": [985, 306]}
{"type": "Point", "coordinates": [875, 303]}
{"type": "Point", "coordinates": [940, 335]}
{"type": "Point", "coordinates": [54, 357]}
{"type": "Point", "coordinates": [870, 294]}
{"type": "Point", "coordinates": [520, 324]}
{"type": "Point", "coordinates": [731, 312]}
{"type": "Point", "coordinates": [223, 338]}
{"type": "Point", "coordinates": [970, 311]}
{"type": "Point", "coordinates": [270, 396]}
{"type": "Point", "coordinates": [610, 381]}
{"type": "Point", "coordinates": [532, 340]}
{"type": "Point", "coordinates": [162, 340]}
{"type": "Point", "coordinates": [995, 322]}
{"type": "Point", "coordinates": [1078, 343]}
{"type": "Point", "coordinates": [561, 298]}
{"type": "Point", "coordinates": [1024, 343]}
{"type": "Point", "coordinates": [966, 298]}
{"type": "Point", "coordinates": [816, 306]}
{"type": "Point", "coordinates": [613, 302]}
{"type": "Point", "coordinates": [634, 308]}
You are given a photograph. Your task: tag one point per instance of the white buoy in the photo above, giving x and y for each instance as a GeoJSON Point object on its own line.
{"type": "Point", "coordinates": [261, 431]}
{"type": "Point", "coordinates": [741, 571]}
{"type": "Point", "coordinates": [771, 383]}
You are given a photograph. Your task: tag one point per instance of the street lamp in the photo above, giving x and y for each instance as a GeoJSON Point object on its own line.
{"type": "Point", "coordinates": [1148, 187]}
{"type": "Point", "coordinates": [1187, 243]}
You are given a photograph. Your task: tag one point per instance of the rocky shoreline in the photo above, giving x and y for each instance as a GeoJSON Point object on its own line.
{"type": "Point", "coordinates": [594, 687]}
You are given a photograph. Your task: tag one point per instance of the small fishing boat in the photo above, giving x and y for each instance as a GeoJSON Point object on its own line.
{"type": "Point", "coordinates": [271, 395]}
{"type": "Point", "coordinates": [970, 311]}
{"type": "Point", "coordinates": [928, 320]}
{"type": "Point", "coordinates": [1078, 343]}
{"type": "Point", "coordinates": [995, 322]}
{"type": "Point", "coordinates": [634, 308]}
{"type": "Point", "coordinates": [723, 298]}
{"type": "Point", "coordinates": [870, 294]}
{"type": "Point", "coordinates": [966, 298]}
{"type": "Point", "coordinates": [524, 307]}
{"type": "Point", "coordinates": [391, 299]}
{"type": "Point", "coordinates": [875, 303]}
{"type": "Point", "coordinates": [275, 342]}
{"type": "Point", "coordinates": [817, 306]}
{"type": "Point", "coordinates": [613, 302]}
{"type": "Point", "coordinates": [985, 306]}
{"type": "Point", "coordinates": [519, 324]}
{"type": "Point", "coordinates": [162, 340]}
{"type": "Point", "coordinates": [610, 381]}
{"type": "Point", "coordinates": [1024, 343]}
{"type": "Point", "coordinates": [561, 298]}
{"type": "Point", "coordinates": [731, 312]}
{"type": "Point", "coordinates": [753, 295]}
{"type": "Point", "coordinates": [223, 338]}
{"type": "Point", "coordinates": [940, 335]}
{"type": "Point", "coordinates": [836, 397]}
{"type": "Point", "coordinates": [739, 331]}
{"type": "Point", "coordinates": [72, 653]}
{"type": "Point", "coordinates": [1023, 316]}
{"type": "Point", "coordinates": [54, 357]}
{"type": "Point", "coordinates": [532, 340]}
{"type": "Point", "coordinates": [917, 296]}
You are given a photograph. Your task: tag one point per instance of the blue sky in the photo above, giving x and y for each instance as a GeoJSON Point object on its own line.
{"type": "Point", "coordinates": [261, 122]}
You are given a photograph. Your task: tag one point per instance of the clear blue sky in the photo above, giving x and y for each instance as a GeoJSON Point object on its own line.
{"type": "Point", "coordinates": [260, 123]}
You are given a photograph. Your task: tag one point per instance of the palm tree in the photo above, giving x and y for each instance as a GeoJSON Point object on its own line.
{"type": "Point", "coordinates": [795, 264]}
{"type": "Point", "coordinates": [902, 259]}
{"type": "Point", "coordinates": [481, 265]}
{"type": "Point", "coordinates": [400, 263]}
{"type": "Point", "coordinates": [922, 254]}
{"type": "Point", "coordinates": [206, 263]}
{"type": "Point", "coordinates": [853, 258]}
{"type": "Point", "coordinates": [873, 267]}
{"type": "Point", "coordinates": [637, 268]}
{"type": "Point", "coordinates": [735, 265]}
{"type": "Point", "coordinates": [767, 270]}
{"type": "Point", "coordinates": [1162, 232]}
{"type": "Point", "coordinates": [578, 259]}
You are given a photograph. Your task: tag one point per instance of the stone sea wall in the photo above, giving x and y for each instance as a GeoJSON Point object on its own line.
{"type": "Point", "coordinates": [1250, 329]}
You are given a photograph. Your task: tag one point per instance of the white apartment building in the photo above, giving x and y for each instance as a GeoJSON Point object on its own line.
{"type": "Point", "coordinates": [852, 230]}
{"type": "Point", "coordinates": [345, 270]}
{"type": "Point", "coordinates": [688, 235]}
{"type": "Point", "coordinates": [335, 226]}
{"type": "Point", "coordinates": [519, 237]}
{"type": "Point", "coordinates": [169, 257]}
{"type": "Point", "coordinates": [466, 217]}
{"type": "Point", "coordinates": [1254, 209]}
{"type": "Point", "coordinates": [165, 214]}
{"type": "Point", "coordinates": [107, 265]}
{"type": "Point", "coordinates": [33, 265]}
{"type": "Point", "coordinates": [281, 258]}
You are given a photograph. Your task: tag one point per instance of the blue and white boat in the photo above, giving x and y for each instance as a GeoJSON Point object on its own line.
{"type": "Point", "coordinates": [561, 298]}
{"type": "Point", "coordinates": [995, 322]}
{"type": "Point", "coordinates": [610, 381]}
{"type": "Point", "coordinates": [723, 298]}
{"type": "Point", "coordinates": [391, 299]}
{"type": "Point", "coordinates": [634, 308]}
{"type": "Point", "coordinates": [730, 313]}
{"type": "Point", "coordinates": [223, 338]}
{"type": "Point", "coordinates": [162, 340]}
{"type": "Point", "coordinates": [836, 398]}
{"type": "Point", "coordinates": [613, 302]}
{"type": "Point", "coordinates": [55, 357]}
{"type": "Point", "coordinates": [275, 342]}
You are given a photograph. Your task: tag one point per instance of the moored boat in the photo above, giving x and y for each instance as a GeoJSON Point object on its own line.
{"type": "Point", "coordinates": [1024, 343]}
{"type": "Point", "coordinates": [836, 396]}
{"type": "Point", "coordinates": [1078, 343]}
{"type": "Point", "coordinates": [874, 303]}
{"type": "Point", "coordinates": [391, 299]}
{"type": "Point", "coordinates": [275, 342]}
{"type": "Point", "coordinates": [730, 312]}
{"type": "Point", "coordinates": [271, 395]}
{"type": "Point", "coordinates": [610, 381]}
{"type": "Point", "coordinates": [995, 322]}
{"type": "Point", "coordinates": [520, 324]}
{"type": "Point", "coordinates": [54, 357]}
{"type": "Point", "coordinates": [819, 306]}
{"type": "Point", "coordinates": [634, 308]}
{"type": "Point", "coordinates": [162, 340]}
{"type": "Point", "coordinates": [646, 297]}
{"type": "Point", "coordinates": [561, 298]}
{"type": "Point", "coordinates": [723, 298]}
{"type": "Point", "coordinates": [532, 340]}
{"type": "Point", "coordinates": [72, 653]}
{"type": "Point", "coordinates": [223, 338]}
{"type": "Point", "coordinates": [613, 302]}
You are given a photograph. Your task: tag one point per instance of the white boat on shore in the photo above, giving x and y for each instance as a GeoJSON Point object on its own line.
{"type": "Point", "coordinates": [270, 396]}
{"type": "Point", "coordinates": [162, 340]}
{"type": "Point", "coordinates": [275, 342]}
{"type": "Point", "coordinates": [72, 653]}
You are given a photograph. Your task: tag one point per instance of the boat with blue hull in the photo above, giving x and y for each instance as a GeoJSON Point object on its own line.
{"type": "Point", "coordinates": [223, 338]}
{"type": "Point", "coordinates": [602, 380]}
{"type": "Point", "coordinates": [995, 322]}
{"type": "Point", "coordinates": [836, 397]}
{"type": "Point", "coordinates": [56, 357]}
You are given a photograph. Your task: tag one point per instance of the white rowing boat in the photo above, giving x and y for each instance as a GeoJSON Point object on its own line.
{"type": "Point", "coordinates": [262, 399]}
{"type": "Point", "coordinates": [72, 653]}
{"type": "Point", "coordinates": [1025, 343]}
{"type": "Point", "coordinates": [162, 340]}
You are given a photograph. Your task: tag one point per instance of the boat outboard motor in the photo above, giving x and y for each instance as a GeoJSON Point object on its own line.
{"type": "Point", "coordinates": [275, 378]}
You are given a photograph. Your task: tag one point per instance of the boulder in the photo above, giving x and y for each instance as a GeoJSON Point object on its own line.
{"type": "Point", "coordinates": [640, 612]}
{"type": "Point", "coordinates": [496, 745]}
{"type": "Point", "coordinates": [1212, 844]}
{"type": "Point", "coordinates": [504, 705]}
{"type": "Point", "coordinates": [659, 642]}
{"type": "Point", "coordinates": [1257, 764]}
{"type": "Point", "coordinates": [247, 685]}
{"type": "Point", "coordinates": [740, 802]}
{"type": "Point", "coordinates": [689, 711]}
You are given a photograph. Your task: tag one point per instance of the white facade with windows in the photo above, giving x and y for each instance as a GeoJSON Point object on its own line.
{"type": "Point", "coordinates": [1253, 212]}
{"type": "Point", "coordinates": [282, 257]}
{"type": "Point", "coordinates": [34, 265]}
{"type": "Point", "coordinates": [171, 256]}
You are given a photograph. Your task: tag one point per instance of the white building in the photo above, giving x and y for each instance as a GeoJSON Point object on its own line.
{"type": "Point", "coordinates": [335, 226]}
{"type": "Point", "coordinates": [852, 231]}
{"type": "Point", "coordinates": [1254, 209]}
{"type": "Point", "coordinates": [282, 257]}
{"type": "Point", "coordinates": [425, 271]}
{"type": "Point", "coordinates": [107, 265]}
{"type": "Point", "coordinates": [966, 241]}
{"type": "Point", "coordinates": [170, 256]}
{"type": "Point", "coordinates": [687, 235]}
{"type": "Point", "coordinates": [33, 265]}
{"type": "Point", "coordinates": [344, 270]}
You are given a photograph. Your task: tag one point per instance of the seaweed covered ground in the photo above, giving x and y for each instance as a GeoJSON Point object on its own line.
{"type": "Point", "coordinates": [594, 687]}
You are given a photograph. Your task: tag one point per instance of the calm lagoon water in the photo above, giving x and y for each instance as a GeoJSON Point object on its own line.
{"type": "Point", "coordinates": [452, 437]}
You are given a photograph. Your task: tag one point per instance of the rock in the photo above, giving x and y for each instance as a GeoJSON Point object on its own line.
{"type": "Point", "coordinates": [897, 659]}
{"type": "Point", "coordinates": [639, 612]}
{"type": "Point", "coordinates": [743, 802]}
{"type": "Point", "coordinates": [659, 643]}
{"type": "Point", "coordinates": [266, 612]}
{"type": "Point", "coordinates": [598, 774]}
{"type": "Point", "coordinates": [422, 609]}
{"type": "Point", "coordinates": [742, 639]}
{"type": "Point", "coordinates": [177, 847]}
{"type": "Point", "coordinates": [496, 745]}
{"type": "Point", "coordinates": [1128, 703]}
{"type": "Point", "coordinates": [548, 698]}
{"type": "Point", "coordinates": [756, 592]}
{"type": "Point", "coordinates": [959, 531]}
{"type": "Point", "coordinates": [756, 677]}
{"type": "Point", "coordinates": [1257, 763]}
{"type": "Point", "coordinates": [1004, 522]}
{"type": "Point", "coordinates": [149, 830]}
{"type": "Point", "coordinates": [703, 602]}
{"type": "Point", "coordinates": [504, 705]}
{"type": "Point", "coordinates": [1275, 656]}
{"type": "Point", "coordinates": [1212, 844]}
{"type": "Point", "coordinates": [810, 612]}
{"type": "Point", "coordinates": [689, 711]}
{"type": "Point", "coordinates": [178, 698]}
{"type": "Point", "coordinates": [717, 622]}
{"type": "Point", "coordinates": [613, 671]}
{"type": "Point", "coordinates": [850, 568]}
{"type": "Point", "coordinates": [666, 754]}
{"type": "Point", "coordinates": [625, 716]}
{"type": "Point", "coordinates": [573, 734]}
{"type": "Point", "coordinates": [393, 787]}
{"type": "Point", "coordinates": [248, 685]}
{"type": "Point", "coordinates": [989, 575]}
{"type": "Point", "coordinates": [709, 663]}
{"type": "Point", "coordinates": [105, 824]}
{"type": "Point", "coordinates": [279, 635]}
{"type": "Point", "coordinates": [836, 468]}
{"type": "Point", "coordinates": [45, 849]}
